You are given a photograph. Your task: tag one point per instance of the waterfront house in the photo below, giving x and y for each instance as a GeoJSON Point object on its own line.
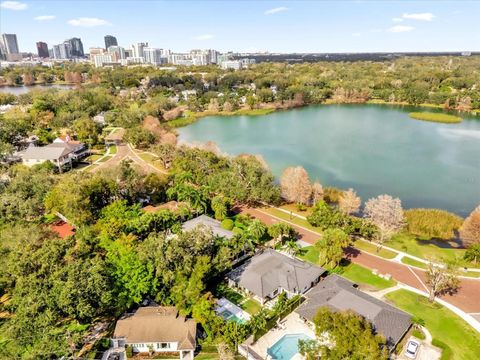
{"type": "Point", "coordinates": [210, 223]}
{"type": "Point", "coordinates": [340, 294]}
{"type": "Point", "coordinates": [269, 273]}
{"type": "Point", "coordinates": [157, 329]}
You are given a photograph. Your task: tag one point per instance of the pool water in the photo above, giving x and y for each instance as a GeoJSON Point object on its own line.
{"type": "Point", "coordinates": [286, 347]}
{"type": "Point", "coordinates": [227, 315]}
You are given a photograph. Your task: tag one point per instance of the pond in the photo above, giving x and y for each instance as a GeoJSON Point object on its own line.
{"type": "Point", "coordinates": [371, 148]}
{"type": "Point", "coordinates": [17, 90]}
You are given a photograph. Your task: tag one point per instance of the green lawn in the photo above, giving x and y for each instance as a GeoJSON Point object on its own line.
{"type": "Point", "coordinates": [408, 243]}
{"type": "Point", "coordinates": [93, 157]}
{"type": "Point", "coordinates": [444, 325]}
{"type": "Point", "coordinates": [293, 208]}
{"type": "Point", "coordinates": [309, 254]}
{"type": "Point", "coordinates": [356, 273]}
{"type": "Point", "coordinates": [251, 306]}
{"type": "Point", "coordinates": [413, 262]}
{"type": "Point", "coordinates": [106, 158]}
{"type": "Point", "coordinates": [360, 275]}
{"type": "Point", "coordinates": [113, 149]}
{"type": "Point", "coordinates": [213, 356]}
{"type": "Point", "coordinates": [291, 218]}
{"type": "Point", "coordinates": [373, 249]}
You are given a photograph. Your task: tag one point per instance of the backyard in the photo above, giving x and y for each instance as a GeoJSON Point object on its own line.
{"type": "Point", "coordinates": [245, 303]}
{"type": "Point", "coordinates": [356, 273]}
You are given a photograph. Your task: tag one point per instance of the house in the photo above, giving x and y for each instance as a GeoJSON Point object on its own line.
{"type": "Point", "coordinates": [210, 223]}
{"type": "Point", "coordinates": [158, 329]}
{"type": "Point", "coordinates": [99, 118]}
{"type": "Point", "coordinates": [61, 152]}
{"type": "Point", "coordinates": [115, 137]}
{"type": "Point", "coordinates": [270, 273]}
{"type": "Point", "coordinates": [340, 294]}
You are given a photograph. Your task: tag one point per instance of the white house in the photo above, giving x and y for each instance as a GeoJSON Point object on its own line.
{"type": "Point", "coordinates": [157, 329]}
{"type": "Point", "coordinates": [61, 152]}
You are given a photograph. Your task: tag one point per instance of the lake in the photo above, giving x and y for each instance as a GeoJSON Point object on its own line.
{"type": "Point", "coordinates": [373, 149]}
{"type": "Point", "coordinates": [17, 90]}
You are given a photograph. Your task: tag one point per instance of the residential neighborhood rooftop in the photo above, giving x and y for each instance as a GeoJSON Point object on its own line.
{"type": "Point", "coordinates": [270, 270]}
{"type": "Point", "coordinates": [340, 294]}
{"type": "Point", "coordinates": [157, 324]}
{"type": "Point", "coordinates": [213, 224]}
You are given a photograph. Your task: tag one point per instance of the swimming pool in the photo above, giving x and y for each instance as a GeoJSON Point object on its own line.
{"type": "Point", "coordinates": [286, 347]}
{"type": "Point", "coordinates": [227, 315]}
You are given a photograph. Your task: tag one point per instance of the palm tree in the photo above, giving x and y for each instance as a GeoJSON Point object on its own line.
{"type": "Point", "coordinates": [257, 229]}
{"type": "Point", "coordinates": [292, 247]}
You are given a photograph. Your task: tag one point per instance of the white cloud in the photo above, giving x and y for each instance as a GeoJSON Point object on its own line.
{"type": "Point", "coordinates": [400, 29]}
{"type": "Point", "coordinates": [276, 10]}
{"type": "Point", "coordinates": [397, 19]}
{"type": "Point", "coordinates": [13, 5]}
{"type": "Point", "coordinates": [419, 16]}
{"type": "Point", "coordinates": [45, 17]}
{"type": "Point", "coordinates": [88, 22]}
{"type": "Point", "coordinates": [204, 37]}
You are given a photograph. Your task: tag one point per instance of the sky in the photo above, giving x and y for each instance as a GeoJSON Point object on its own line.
{"type": "Point", "coordinates": [250, 26]}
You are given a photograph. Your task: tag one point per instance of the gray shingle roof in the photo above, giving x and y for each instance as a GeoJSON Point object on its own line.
{"type": "Point", "coordinates": [46, 152]}
{"type": "Point", "coordinates": [339, 294]}
{"type": "Point", "coordinates": [271, 270]}
{"type": "Point", "coordinates": [213, 224]}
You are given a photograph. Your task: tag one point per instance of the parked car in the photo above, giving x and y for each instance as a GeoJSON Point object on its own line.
{"type": "Point", "coordinates": [412, 349]}
{"type": "Point", "coordinates": [114, 356]}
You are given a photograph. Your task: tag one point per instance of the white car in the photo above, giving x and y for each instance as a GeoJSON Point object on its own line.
{"type": "Point", "coordinates": [412, 349]}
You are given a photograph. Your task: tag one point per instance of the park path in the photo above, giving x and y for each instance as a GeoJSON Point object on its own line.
{"type": "Point", "coordinates": [466, 298]}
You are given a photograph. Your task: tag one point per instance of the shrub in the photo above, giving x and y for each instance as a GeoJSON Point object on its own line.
{"type": "Point", "coordinates": [332, 195]}
{"type": "Point", "coordinates": [473, 253]}
{"type": "Point", "coordinates": [228, 224]}
{"type": "Point", "coordinates": [432, 223]}
{"type": "Point", "coordinates": [129, 351]}
{"type": "Point", "coordinates": [237, 231]}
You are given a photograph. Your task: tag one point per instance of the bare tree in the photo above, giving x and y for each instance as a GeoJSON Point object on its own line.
{"type": "Point", "coordinates": [387, 214]}
{"type": "Point", "coordinates": [470, 229]}
{"type": "Point", "coordinates": [440, 280]}
{"type": "Point", "coordinates": [295, 185]}
{"type": "Point", "coordinates": [349, 202]}
{"type": "Point", "coordinates": [317, 193]}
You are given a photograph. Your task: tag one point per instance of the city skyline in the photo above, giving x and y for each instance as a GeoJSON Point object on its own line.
{"type": "Point", "coordinates": [245, 26]}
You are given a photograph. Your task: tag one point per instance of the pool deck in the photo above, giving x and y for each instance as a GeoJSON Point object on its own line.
{"type": "Point", "coordinates": [292, 324]}
{"type": "Point", "coordinates": [226, 305]}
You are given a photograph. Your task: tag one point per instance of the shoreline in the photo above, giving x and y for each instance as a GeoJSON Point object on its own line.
{"type": "Point", "coordinates": [192, 117]}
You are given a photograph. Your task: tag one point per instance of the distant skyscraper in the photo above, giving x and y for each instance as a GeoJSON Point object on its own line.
{"type": "Point", "coordinates": [77, 47]}
{"type": "Point", "coordinates": [117, 52]}
{"type": "Point", "coordinates": [10, 47]}
{"type": "Point", "coordinates": [62, 51]}
{"type": "Point", "coordinates": [110, 41]}
{"type": "Point", "coordinates": [138, 49]}
{"type": "Point", "coordinates": [153, 56]}
{"type": "Point", "coordinates": [10, 43]}
{"type": "Point", "coordinates": [42, 49]}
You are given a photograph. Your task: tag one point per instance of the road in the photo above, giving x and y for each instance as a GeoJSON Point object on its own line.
{"type": "Point", "coordinates": [466, 297]}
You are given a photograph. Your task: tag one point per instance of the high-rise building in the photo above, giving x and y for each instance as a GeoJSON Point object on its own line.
{"type": "Point", "coordinates": [42, 49]}
{"type": "Point", "coordinates": [117, 52]}
{"type": "Point", "coordinates": [62, 51]}
{"type": "Point", "coordinates": [137, 49]}
{"type": "Point", "coordinates": [76, 46]}
{"type": "Point", "coordinates": [10, 47]}
{"type": "Point", "coordinates": [95, 51]}
{"type": "Point", "coordinates": [100, 60]}
{"type": "Point", "coordinates": [153, 56]}
{"type": "Point", "coordinates": [110, 41]}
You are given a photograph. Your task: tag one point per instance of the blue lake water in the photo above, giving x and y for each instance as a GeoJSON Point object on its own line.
{"type": "Point", "coordinates": [373, 149]}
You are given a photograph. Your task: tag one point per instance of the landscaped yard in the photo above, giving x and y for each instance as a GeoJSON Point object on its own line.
{"type": "Point", "coordinates": [248, 304]}
{"type": "Point", "coordinates": [360, 275]}
{"type": "Point", "coordinates": [373, 249]}
{"type": "Point", "coordinates": [93, 158]}
{"type": "Point", "coordinates": [413, 262]}
{"type": "Point", "coordinates": [356, 273]}
{"type": "Point", "coordinates": [444, 325]}
{"type": "Point", "coordinates": [113, 149]}
{"type": "Point", "coordinates": [293, 208]}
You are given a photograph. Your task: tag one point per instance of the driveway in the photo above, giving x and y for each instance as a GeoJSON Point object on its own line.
{"type": "Point", "coordinates": [425, 352]}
